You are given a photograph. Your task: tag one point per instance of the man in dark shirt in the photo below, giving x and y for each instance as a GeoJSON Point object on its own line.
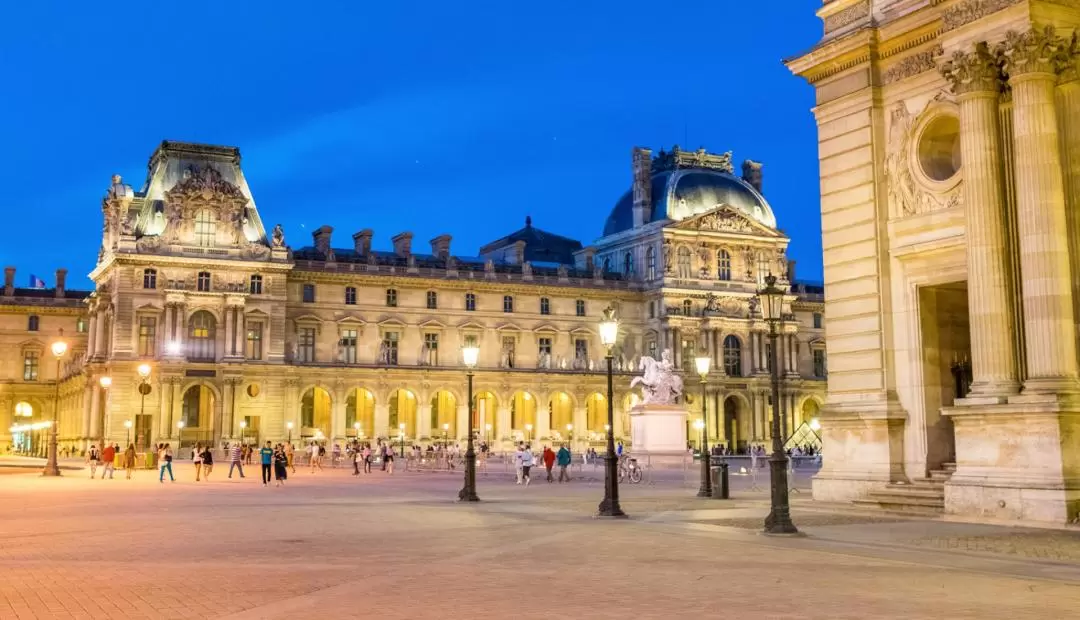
{"type": "Point", "coordinates": [266, 457]}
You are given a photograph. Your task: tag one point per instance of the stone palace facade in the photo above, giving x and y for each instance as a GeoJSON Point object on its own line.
{"type": "Point", "coordinates": [949, 137]}
{"type": "Point", "coordinates": [247, 337]}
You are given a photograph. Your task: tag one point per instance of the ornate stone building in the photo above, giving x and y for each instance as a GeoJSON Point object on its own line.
{"type": "Point", "coordinates": [247, 337]}
{"type": "Point", "coordinates": [949, 137]}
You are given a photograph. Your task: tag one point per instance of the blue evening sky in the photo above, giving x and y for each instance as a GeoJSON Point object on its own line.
{"type": "Point", "coordinates": [434, 117]}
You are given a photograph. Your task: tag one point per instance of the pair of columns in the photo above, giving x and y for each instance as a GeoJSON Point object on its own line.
{"type": "Point", "coordinates": [1033, 61]}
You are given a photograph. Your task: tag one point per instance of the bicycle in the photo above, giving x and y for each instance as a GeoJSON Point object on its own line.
{"type": "Point", "coordinates": [629, 468]}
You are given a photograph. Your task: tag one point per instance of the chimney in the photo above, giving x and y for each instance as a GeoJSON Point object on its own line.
{"type": "Point", "coordinates": [61, 278]}
{"type": "Point", "coordinates": [791, 271]}
{"type": "Point", "coordinates": [589, 253]}
{"type": "Point", "coordinates": [517, 252]}
{"type": "Point", "coordinates": [362, 242]}
{"type": "Point", "coordinates": [9, 281]}
{"type": "Point", "coordinates": [751, 173]}
{"type": "Point", "coordinates": [321, 236]}
{"type": "Point", "coordinates": [642, 168]}
{"type": "Point", "coordinates": [440, 246]}
{"type": "Point", "coordinates": [403, 244]}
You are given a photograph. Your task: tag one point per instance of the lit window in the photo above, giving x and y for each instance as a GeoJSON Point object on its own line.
{"type": "Point", "coordinates": [723, 265]}
{"type": "Point", "coordinates": [545, 305]}
{"type": "Point", "coordinates": [254, 341]}
{"type": "Point", "coordinates": [149, 278]}
{"type": "Point", "coordinates": [350, 295]}
{"type": "Point", "coordinates": [81, 325]}
{"type": "Point", "coordinates": [255, 286]}
{"type": "Point", "coordinates": [391, 298]}
{"type": "Point", "coordinates": [31, 361]}
{"type": "Point", "coordinates": [202, 329]}
{"type": "Point", "coordinates": [202, 283]}
{"type": "Point", "coordinates": [205, 228]}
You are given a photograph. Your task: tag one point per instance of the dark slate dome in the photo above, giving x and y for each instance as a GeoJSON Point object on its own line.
{"type": "Point", "coordinates": [686, 192]}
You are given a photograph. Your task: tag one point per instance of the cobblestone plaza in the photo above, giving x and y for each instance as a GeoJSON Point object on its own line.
{"type": "Point", "coordinates": [331, 545]}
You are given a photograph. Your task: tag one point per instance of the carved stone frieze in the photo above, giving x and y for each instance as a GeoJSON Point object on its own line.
{"type": "Point", "coordinates": [906, 198]}
{"type": "Point", "coordinates": [255, 251]}
{"type": "Point", "coordinates": [1039, 50]}
{"type": "Point", "coordinates": [912, 65]}
{"type": "Point", "coordinates": [205, 181]}
{"type": "Point", "coordinates": [964, 13]}
{"type": "Point", "coordinates": [848, 16]}
{"type": "Point", "coordinates": [149, 244]}
{"type": "Point", "coordinates": [724, 220]}
{"type": "Point", "coordinates": [975, 71]}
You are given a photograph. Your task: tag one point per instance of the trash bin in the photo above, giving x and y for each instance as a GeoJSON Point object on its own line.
{"type": "Point", "coordinates": [720, 483]}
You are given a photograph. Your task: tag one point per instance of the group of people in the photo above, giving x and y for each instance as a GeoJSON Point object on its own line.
{"type": "Point", "coordinates": [362, 455]}
{"type": "Point", "coordinates": [524, 460]}
{"type": "Point", "coordinates": [108, 457]}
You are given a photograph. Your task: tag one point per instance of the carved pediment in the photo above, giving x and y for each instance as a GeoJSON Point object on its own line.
{"type": "Point", "coordinates": [432, 323]}
{"type": "Point", "coordinates": [725, 219]}
{"type": "Point", "coordinates": [351, 320]}
{"type": "Point", "coordinates": [546, 328]}
{"type": "Point", "coordinates": [307, 318]}
{"type": "Point", "coordinates": [508, 327]}
{"type": "Point", "coordinates": [472, 325]}
{"type": "Point", "coordinates": [204, 182]}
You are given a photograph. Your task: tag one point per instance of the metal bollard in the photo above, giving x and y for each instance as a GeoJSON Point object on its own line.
{"type": "Point", "coordinates": [721, 487]}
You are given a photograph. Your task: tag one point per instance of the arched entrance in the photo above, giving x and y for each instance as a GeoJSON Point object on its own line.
{"type": "Point", "coordinates": [561, 412]}
{"type": "Point", "coordinates": [596, 413]}
{"type": "Point", "coordinates": [197, 414]}
{"type": "Point", "coordinates": [315, 412]}
{"type": "Point", "coordinates": [809, 411]}
{"type": "Point", "coordinates": [736, 430]}
{"type": "Point", "coordinates": [444, 415]}
{"type": "Point", "coordinates": [360, 409]}
{"type": "Point", "coordinates": [523, 415]}
{"type": "Point", "coordinates": [29, 431]}
{"type": "Point", "coordinates": [402, 411]}
{"type": "Point", "coordinates": [484, 404]}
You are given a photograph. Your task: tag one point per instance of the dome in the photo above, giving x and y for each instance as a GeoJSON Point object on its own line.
{"type": "Point", "coordinates": [683, 193]}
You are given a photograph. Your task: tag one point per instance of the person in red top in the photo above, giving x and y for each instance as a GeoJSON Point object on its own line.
{"type": "Point", "coordinates": [108, 455]}
{"type": "Point", "coordinates": [549, 462]}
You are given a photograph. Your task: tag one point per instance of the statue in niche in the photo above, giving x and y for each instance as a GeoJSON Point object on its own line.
{"type": "Point", "coordinates": [278, 236]}
{"type": "Point", "coordinates": [526, 269]}
{"type": "Point", "coordinates": [240, 220]}
{"type": "Point", "coordinates": [753, 305]}
{"type": "Point", "coordinates": [425, 355]}
{"type": "Point", "coordinates": [659, 383]}
{"type": "Point", "coordinates": [544, 361]}
{"type": "Point", "coordinates": [506, 356]}
{"type": "Point", "coordinates": [383, 357]}
{"type": "Point", "coordinates": [127, 226]}
{"type": "Point", "coordinates": [712, 303]}
{"type": "Point", "coordinates": [667, 250]}
{"type": "Point", "coordinates": [781, 265]}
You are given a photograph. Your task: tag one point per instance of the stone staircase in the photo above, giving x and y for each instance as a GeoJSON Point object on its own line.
{"type": "Point", "coordinates": [924, 497]}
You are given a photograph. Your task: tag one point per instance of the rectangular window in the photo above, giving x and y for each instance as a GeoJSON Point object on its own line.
{"type": "Point", "coordinates": [309, 293]}
{"type": "Point", "coordinates": [31, 361]}
{"type": "Point", "coordinates": [254, 341]}
{"type": "Point", "coordinates": [472, 340]}
{"type": "Point", "coordinates": [202, 283]}
{"type": "Point", "coordinates": [431, 341]}
{"type": "Point", "coordinates": [350, 295]}
{"type": "Point", "coordinates": [390, 339]}
{"type": "Point", "coordinates": [817, 320]}
{"type": "Point", "coordinates": [305, 348]}
{"type": "Point", "coordinates": [508, 303]}
{"type": "Point", "coordinates": [255, 286]}
{"type": "Point", "coordinates": [543, 352]}
{"type": "Point", "coordinates": [432, 300]}
{"type": "Point", "coordinates": [347, 345]}
{"type": "Point", "coordinates": [149, 278]}
{"type": "Point", "coordinates": [32, 323]}
{"type": "Point", "coordinates": [819, 363]}
{"type": "Point", "coordinates": [470, 302]}
{"type": "Point", "coordinates": [391, 298]}
{"type": "Point", "coordinates": [651, 348]}
{"type": "Point", "coordinates": [147, 336]}
{"type": "Point", "coordinates": [579, 307]}
{"type": "Point", "coordinates": [545, 305]}
{"type": "Point", "coordinates": [688, 355]}
{"type": "Point", "coordinates": [652, 309]}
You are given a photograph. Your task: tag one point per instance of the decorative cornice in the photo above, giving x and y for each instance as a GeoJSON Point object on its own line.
{"type": "Point", "coordinates": [1039, 50]}
{"type": "Point", "coordinates": [963, 13]}
{"type": "Point", "coordinates": [975, 71]}
{"type": "Point", "coordinates": [847, 16]}
{"type": "Point", "coordinates": [913, 65]}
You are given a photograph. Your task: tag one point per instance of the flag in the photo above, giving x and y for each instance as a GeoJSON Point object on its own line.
{"type": "Point", "coordinates": [36, 282]}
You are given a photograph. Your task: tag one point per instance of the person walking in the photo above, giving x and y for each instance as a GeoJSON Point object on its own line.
{"type": "Point", "coordinates": [549, 462]}
{"type": "Point", "coordinates": [165, 459]}
{"type": "Point", "coordinates": [388, 460]}
{"type": "Point", "coordinates": [563, 459]}
{"type": "Point", "coordinates": [281, 461]}
{"type": "Point", "coordinates": [289, 457]}
{"type": "Point", "coordinates": [527, 460]}
{"type": "Point", "coordinates": [129, 460]}
{"type": "Point", "coordinates": [266, 458]}
{"type": "Point", "coordinates": [108, 456]}
{"type": "Point", "coordinates": [234, 460]}
{"type": "Point", "coordinates": [196, 457]}
{"type": "Point", "coordinates": [93, 458]}
{"type": "Point", "coordinates": [519, 458]}
{"type": "Point", "coordinates": [207, 462]}
{"type": "Point", "coordinates": [367, 458]}
{"type": "Point", "coordinates": [313, 456]}
{"type": "Point", "coordinates": [357, 457]}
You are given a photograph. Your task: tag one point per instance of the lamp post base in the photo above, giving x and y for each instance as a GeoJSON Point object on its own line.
{"type": "Point", "coordinates": [610, 510]}
{"type": "Point", "coordinates": [51, 471]}
{"type": "Point", "coordinates": [779, 520]}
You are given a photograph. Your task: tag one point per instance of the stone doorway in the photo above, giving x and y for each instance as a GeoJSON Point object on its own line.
{"type": "Point", "coordinates": [946, 363]}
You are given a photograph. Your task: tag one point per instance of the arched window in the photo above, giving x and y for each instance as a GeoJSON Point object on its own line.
{"type": "Point", "coordinates": [205, 228]}
{"type": "Point", "coordinates": [149, 278]}
{"type": "Point", "coordinates": [628, 264]}
{"type": "Point", "coordinates": [650, 263]}
{"type": "Point", "coordinates": [202, 332]}
{"type": "Point", "coordinates": [685, 268]}
{"type": "Point", "coordinates": [202, 283]}
{"type": "Point", "coordinates": [723, 265]}
{"type": "Point", "coordinates": [732, 356]}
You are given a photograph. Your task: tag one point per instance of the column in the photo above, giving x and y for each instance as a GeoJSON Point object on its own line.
{"type": "Point", "coordinates": [502, 424]}
{"type": "Point", "coordinates": [228, 340]}
{"type": "Point", "coordinates": [164, 419]}
{"type": "Point", "coordinates": [180, 319]}
{"type": "Point", "coordinates": [174, 404]}
{"type": "Point", "coordinates": [382, 420]}
{"type": "Point", "coordinates": [230, 426]}
{"type": "Point", "coordinates": [581, 424]}
{"type": "Point", "coordinates": [95, 415]}
{"type": "Point", "coordinates": [1068, 105]}
{"type": "Point", "coordinates": [100, 334]}
{"type": "Point", "coordinates": [170, 312]}
{"type": "Point", "coordinates": [86, 415]}
{"type": "Point", "coordinates": [423, 422]}
{"type": "Point", "coordinates": [337, 415]}
{"type": "Point", "coordinates": [974, 79]}
{"type": "Point", "coordinates": [543, 421]}
{"type": "Point", "coordinates": [463, 423]}
{"type": "Point", "coordinates": [91, 337]}
{"type": "Point", "coordinates": [1040, 194]}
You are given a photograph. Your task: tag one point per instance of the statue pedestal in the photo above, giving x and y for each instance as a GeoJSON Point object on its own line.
{"type": "Point", "coordinates": [658, 432]}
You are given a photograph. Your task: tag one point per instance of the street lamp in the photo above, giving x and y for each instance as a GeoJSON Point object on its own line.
{"type": "Point", "coordinates": [470, 354]}
{"type": "Point", "coordinates": [702, 364]}
{"type": "Point", "coordinates": [570, 435]}
{"type": "Point", "coordinates": [179, 433]}
{"type": "Point", "coordinates": [487, 433]}
{"type": "Point", "coordinates": [445, 435]}
{"type": "Point", "coordinates": [771, 300]}
{"type": "Point", "coordinates": [609, 507]}
{"type": "Point", "coordinates": [243, 427]}
{"type": "Point", "coordinates": [144, 389]}
{"type": "Point", "coordinates": [401, 438]}
{"type": "Point", "coordinates": [288, 425]}
{"type": "Point", "coordinates": [127, 425]}
{"type": "Point", "coordinates": [528, 433]}
{"type": "Point", "coordinates": [356, 427]}
{"type": "Point", "coordinates": [52, 468]}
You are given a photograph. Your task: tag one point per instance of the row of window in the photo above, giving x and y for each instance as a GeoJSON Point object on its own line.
{"type": "Point", "coordinates": [432, 299]}
{"type": "Point", "coordinates": [684, 264]}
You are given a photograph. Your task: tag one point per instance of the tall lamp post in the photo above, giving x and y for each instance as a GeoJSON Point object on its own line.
{"type": "Point", "coordinates": [243, 429]}
{"type": "Point", "coordinates": [144, 389]}
{"type": "Point", "coordinates": [528, 433]}
{"type": "Point", "coordinates": [288, 426]}
{"type": "Point", "coordinates": [52, 468]}
{"type": "Point", "coordinates": [401, 438]}
{"type": "Point", "coordinates": [702, 364]}
{"type": "Point", "coordinates": [470, 353]}
{"type": "Point", "coordinates": [779, 520]}
{"type": "Point", "coordinates": [609, 507]}
{"type": "Point", "coordinates": [105, 382]}
{"type": "Point", "coordinates": [179, 434]}
{"type": "Point", "coordinates": [127, 425]}
{"type": "Point", "coordinates": [445, 435]}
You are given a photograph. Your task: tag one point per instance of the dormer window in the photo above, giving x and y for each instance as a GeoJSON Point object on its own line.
{"type": "Point", "coordinates": [205, 228]}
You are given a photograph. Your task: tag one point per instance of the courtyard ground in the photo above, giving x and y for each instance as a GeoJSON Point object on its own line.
{"type": "Point", "coordinates": [329, 545]}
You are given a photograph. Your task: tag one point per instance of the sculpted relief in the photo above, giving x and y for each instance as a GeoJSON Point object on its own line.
{"type": "Point", "coordinates": [907, 196]}
{"type": "Point", "coordinates": [203, 204]}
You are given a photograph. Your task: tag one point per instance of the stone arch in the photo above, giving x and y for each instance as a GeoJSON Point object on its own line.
{"type": "Point", "coordinates": [595, 412]}
{"type": "Point", "coordinates": [560, 411]}
{"type": "Point", "coordinates": [523, 406]}
{"type": "Point", "coordinates": [360, 408]}
{"type": "Point", "coordinates": [199, 404]}
{"type": "Point", "coordinates": [443, 413]}
{"type": "Point", "coordinates": [316, 411]}
{"type": "Point", "coordinates": [809, 408]}
{"type": "Point", "coordinates": [735, 416]}
{"type": "Point", "coordinates": [404, 405]}
{"type": "Point", "coordinates": [485, 408]}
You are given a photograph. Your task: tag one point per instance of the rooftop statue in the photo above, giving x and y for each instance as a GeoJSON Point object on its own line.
{"type": "Point", "coordinates": [278, 236]}
{"type": "Point", "coordinates": [659, 383]}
